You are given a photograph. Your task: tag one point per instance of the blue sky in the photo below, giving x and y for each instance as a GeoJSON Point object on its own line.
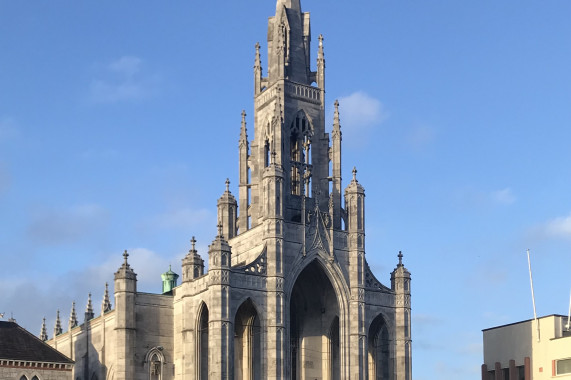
{"type": "Point", "coordinates": [119, 123]}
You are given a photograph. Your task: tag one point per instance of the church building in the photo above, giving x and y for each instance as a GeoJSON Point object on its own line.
{"type": "Point", "coordinates": [287, 292]}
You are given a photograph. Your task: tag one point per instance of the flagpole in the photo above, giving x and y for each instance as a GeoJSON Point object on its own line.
{"type": "Point", "coordinates": [532, 294]}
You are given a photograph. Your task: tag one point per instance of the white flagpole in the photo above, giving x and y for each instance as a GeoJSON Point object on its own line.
{"type": "Point", "coordinates": [532, 294]}
{"type": "Point", "coordinates": [569, 315]}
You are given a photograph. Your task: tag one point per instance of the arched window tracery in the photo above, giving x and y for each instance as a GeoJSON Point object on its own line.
{"type": "Point", "coordinates": [300, 155]}
{"type": "Point", "coordinates": [155, 361]}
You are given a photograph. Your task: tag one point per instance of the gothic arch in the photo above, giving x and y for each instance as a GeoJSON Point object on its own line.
{"type": "Point", "coordinates": [23, 377]}
{"type": "Point", "coordinates": [202, 342]}
{"type": "Point", "coordinates": [379, 349]}
{"type": "Point", "coordinates": [154, 363]}
{"type": "Point", "coordinates": [317, 319]}
{"type": "Point", "coordinates": [248, 340]}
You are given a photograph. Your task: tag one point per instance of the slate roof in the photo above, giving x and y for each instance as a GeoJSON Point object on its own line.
{"type": "Point", "coordinates": [17, 343]}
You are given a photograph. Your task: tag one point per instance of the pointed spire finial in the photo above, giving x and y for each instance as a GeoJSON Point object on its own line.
{"type": "Point", "coordinates": [243, 131]}
{"type": "Point", "coordinates": [44, 332]}
{"type": "Point", "coordinates": [57, 329]}
{"type": "Point", "coordinates": [106, 304]}
{"type": "Point", "coordinates": [89, 314]}
{"type": "Point", "coordinates": [400, 256]}
{"type": "Point", "coordinates": [336, 120]}
{"type": "Point", "coordinates": [72, 317]}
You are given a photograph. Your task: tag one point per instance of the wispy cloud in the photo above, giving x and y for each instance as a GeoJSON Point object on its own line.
{"type": "Point", "coordinates": [123, 80]}
{"type": "Point", "coordinates": [360, 110]}
{"type": "Point", "coordinates": [128, 66]}
{"type": "Point", "coordinates": [185, 218]}
{"type": "Point", "coordinates": [503, 196]}
{"type": "Point", "coordinates": [559, 227]}
{"type": "Point", "coordinates": [60, 226]}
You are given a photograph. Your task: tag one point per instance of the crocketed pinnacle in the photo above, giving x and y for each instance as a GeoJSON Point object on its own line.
{"type": "Point", "coordinates": [44, 332]}
{"type": "Point", "coordinates": [57, 329]}
{"type": "Point", "coordinates": [72, 317]}
{"type": "Point", "coordinates": [106, 304]}
{"type": "Point", "coordinates": [89, 314]}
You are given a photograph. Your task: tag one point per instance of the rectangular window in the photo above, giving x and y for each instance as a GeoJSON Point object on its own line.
{"type": "Point", "coordinates": [520, 372]}
{"type": "Point", "coordinates": [506, 372]}
{"type": "Point", "coordinates": [563, 366]}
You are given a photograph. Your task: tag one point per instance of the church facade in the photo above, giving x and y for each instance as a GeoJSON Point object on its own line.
{"type": "Point", "coordinates": [288, 293]}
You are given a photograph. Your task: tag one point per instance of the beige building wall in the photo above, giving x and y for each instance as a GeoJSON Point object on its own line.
{"type": "Point", "coordinates": [543, 342]}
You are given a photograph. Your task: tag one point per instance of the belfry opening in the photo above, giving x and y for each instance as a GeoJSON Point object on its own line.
{"type": "Point", "coordinates": [314, 326]}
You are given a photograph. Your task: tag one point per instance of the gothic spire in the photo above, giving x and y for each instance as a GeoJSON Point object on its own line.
{"type": "Point", "coordinates": [57, 329]}
{"type": "Point", "coordinates": [72, 317]}
{"type": "Point", "coordinates": [106, 304]}
{"type": "Point", "coordinates": [44, 333]}
{"type": "Point", "coordinates": [89, 314]}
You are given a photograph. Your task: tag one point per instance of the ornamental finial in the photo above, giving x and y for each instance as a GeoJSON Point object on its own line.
{"type": "Point", "coordinates": [400, 258]}
{"type": "Point", "coordinates": [193, 242]}
{"type": "Point", "coordinates": [354, 174]}
{"type": "Point", "coordinates": [227, 185]}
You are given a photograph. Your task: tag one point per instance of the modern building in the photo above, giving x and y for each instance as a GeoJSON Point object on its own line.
{"type": "Point", "coordinates": [25, 357]}
{"type": "Point", "coordinates": [288, 293]}
{"type": "Point", "coordinates": [529, 350]}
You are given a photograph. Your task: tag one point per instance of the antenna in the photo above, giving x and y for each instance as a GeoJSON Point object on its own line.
{"type": "Point", "coordinates": [532, 295]}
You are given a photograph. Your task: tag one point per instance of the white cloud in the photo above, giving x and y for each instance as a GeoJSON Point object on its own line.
{"type": "Point", "coordinates": [504, 196]}
{"type": "Point", "coordinates": [558, 227]}
{"type": "Point", "coordinates": [59, 226]}
{"type": "Point", "coordinates": [359, 110]}
{"type": "Point", "coordinates": [123, 80]}
{"type": "Point", "coordinates": [127, 65]}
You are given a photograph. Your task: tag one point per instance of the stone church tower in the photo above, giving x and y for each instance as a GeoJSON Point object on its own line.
{"type": "Point", "coordinates": [288, 293]}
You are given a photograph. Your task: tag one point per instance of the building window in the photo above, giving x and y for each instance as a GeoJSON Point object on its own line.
{"type": "Point", "coordinates": [23, 377]}
{"type": "Point", "coordinates": [563, 366]}
{"type": "Point", "coordinates": [520, 372]}
{"type": "Point", "coordinates": [155, 360]}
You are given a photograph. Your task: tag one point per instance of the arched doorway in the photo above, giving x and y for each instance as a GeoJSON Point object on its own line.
{"type": "Point", "coordinates": [247, 343]}
{"type": "Point", "coordinates": [380, 363]}
{"type": "Point", "coordinates": [314, 326]}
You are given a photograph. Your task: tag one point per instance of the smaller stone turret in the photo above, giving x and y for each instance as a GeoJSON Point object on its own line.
{"type": "Point", "coordinates": [400, 284]}
{"type": "Point", "coordinates": [192, 264]}
{"type": "Point", "coordinates": [219, 253]}
{"type": "Point", "coordinates": [44, 333]}
{"type": "Point", "coordinates": [170, 280]}
{"type": "Point", "coordinates": [228, 213]}
{"type": "Point", "coordinates": [72, 317]}
{"type": "Point", "coordinates": [57, 328]}
{"type": "Point", "coordinates": [89, 314]}
{"type": "Point", "coordinates": [125, 321]}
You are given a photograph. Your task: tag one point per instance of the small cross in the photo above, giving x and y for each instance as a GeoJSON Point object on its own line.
{"type": "Point", "coordinates": [193, 242]}
{"type": "Point", "coordinates": [400, 258]}
{"type": "Point", "coordinates": [354, 174]}
{"type": "Point", "coordinates": [125, 255]}
{"type": "Point", "coordinates": [219, 229]}
{"type": "Point", "coordinates": [227, 184]}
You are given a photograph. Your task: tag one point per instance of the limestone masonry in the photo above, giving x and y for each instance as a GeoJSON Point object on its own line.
{"type": "Point", "coordinates": [288, 293]}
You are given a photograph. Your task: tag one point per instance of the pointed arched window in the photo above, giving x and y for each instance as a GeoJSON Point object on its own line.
{"type": "Point", "coordinates": [300, 155]}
